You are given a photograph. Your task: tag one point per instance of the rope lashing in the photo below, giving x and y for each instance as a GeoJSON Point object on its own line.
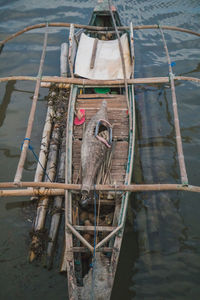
{"type": "Point", "coordinates": [36, 157]}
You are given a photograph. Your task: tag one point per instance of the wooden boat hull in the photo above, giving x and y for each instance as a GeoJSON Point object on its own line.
{"type": "Point", "coordinates": [93, 242]}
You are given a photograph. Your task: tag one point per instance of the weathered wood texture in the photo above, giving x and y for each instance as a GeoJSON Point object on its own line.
{"type": "Point", "coordinates": [117, 114]}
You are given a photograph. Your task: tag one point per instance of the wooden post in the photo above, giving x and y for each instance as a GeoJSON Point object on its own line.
{"type": "Point", "coordinates": [183, 172]}
{"type": "Point", "coordinates": [26, 142]}
{"type": "Point", "coordinates": [71, 43]}
{"type": "Point", "coordinates": [63, 60]}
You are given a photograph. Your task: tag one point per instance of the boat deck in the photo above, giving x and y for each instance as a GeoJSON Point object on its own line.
{"type": "Point", "coordinates": [118, 117]}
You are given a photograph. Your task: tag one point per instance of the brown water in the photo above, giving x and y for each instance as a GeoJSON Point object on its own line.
{"type": "Point", "coordinates": [160, 254]}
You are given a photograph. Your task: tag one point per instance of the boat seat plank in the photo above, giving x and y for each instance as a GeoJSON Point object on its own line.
{"type": "Point", "coordinates": [92, 228]}
{"type": "Point", "coordinates": [104, 96]}
{"type": "Point", "coordinates": [84, 249]}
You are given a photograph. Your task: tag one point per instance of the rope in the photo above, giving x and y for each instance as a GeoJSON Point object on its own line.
{"type": "Point", "coordinates": [93, 265]}
{"type": "Point", "coordinates": [36, 157]}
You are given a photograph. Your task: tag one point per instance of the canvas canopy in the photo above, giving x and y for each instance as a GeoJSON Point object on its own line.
{"type": "Point", "coordinates": [107, 62]}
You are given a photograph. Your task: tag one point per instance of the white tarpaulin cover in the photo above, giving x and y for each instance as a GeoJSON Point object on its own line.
{"type": "Point", "coordinates": [107, 63]}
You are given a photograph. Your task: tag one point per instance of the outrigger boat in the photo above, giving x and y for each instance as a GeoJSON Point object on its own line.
{"type": "Point", "coordinates": [96, 147]}
{"type": "Point", "coordinates": [105, 150]}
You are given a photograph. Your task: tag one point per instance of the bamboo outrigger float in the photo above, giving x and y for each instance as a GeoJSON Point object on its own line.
{"type": "Point", "coordinates": [94, 178]}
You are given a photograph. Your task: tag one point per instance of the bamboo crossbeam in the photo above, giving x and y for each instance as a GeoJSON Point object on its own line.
{"type": "Point", "coordinates": [184, 178]}
{"type": "Point", "coordinates": [46, 81]}
{"type": "Point", "coordinates": [26, 142]}
{"type": "Point", "coordinates": [94, 28]}
{"type": "Point", "coordinates": [55, 188]}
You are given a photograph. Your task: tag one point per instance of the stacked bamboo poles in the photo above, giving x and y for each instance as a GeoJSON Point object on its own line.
{"type": "Point", "coordinates": [26, 142]}
{"type": "Point", "coordinates": [57, 207]}
{"type": "Point", "coordinates": [93, 28]}
{"type": "Point", "coordinates": [51, 170]}
{"type": "Point", "coordinates": [182, 167]}
{"type": "Point", "coordinates": [58, 200]}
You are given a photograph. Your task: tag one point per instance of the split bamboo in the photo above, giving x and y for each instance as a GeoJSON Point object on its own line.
{"type": "Point", "coordinates": [26, 142]}
{"type": "Point", "coordinates": [182, 167]}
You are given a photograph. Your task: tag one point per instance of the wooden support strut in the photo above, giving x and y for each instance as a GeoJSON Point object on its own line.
{"type": "Point", "coordinates": [26, 142]}
{"type": "Point", "coordinates": [182, 167]}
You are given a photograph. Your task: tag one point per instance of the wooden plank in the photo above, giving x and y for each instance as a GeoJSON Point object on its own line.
{"type": "Point", "coordinates": [96, 96]}
{"type": "Point", "coordinates": [92, 228]}
{"type": "Point", "coordinates": [84, 249]}
{"type": "Point", "coordinates": [94, 51]}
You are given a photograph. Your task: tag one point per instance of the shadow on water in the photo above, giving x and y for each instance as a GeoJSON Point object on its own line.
{"type": "Point", "coordinates": [6, 100]}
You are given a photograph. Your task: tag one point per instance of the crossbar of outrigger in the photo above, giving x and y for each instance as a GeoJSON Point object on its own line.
{"type": "Point", "coordinates": [93, 28]}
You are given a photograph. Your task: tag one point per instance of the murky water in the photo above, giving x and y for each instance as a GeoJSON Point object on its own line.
{"type": "Point", "coordinates": [160, 254]}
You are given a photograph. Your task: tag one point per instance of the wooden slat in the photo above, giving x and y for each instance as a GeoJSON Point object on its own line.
{"type": "Point", "coordinates": [104, 96]}
{"type": "Point", "coordinates": [84, 249]}
{"type": "Point", "coordinates": [94, 51]}
{"type": "Point", "coordinates": [92, 228]}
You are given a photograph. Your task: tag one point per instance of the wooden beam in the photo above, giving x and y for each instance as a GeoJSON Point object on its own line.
{"type": "Point", "coordinates": [85, 250]}
{"type": "Point", "coordinates": [94, 52]}
{"type": "Point", "coordinates": [92, 228]}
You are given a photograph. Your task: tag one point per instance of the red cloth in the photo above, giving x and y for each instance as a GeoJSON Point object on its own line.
{"type": "Point", "coordinates": [82, 120]}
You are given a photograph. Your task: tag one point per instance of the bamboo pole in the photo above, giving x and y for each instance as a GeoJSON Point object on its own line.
{"type": "Point", "coordinates": [26, 142]}
{"type": "Point", "coordinates": [132, 49]}
{"type": "Point", "coordinates": [39, 173]}
{"type": "Point", "coordinates": [182, 167]}
{"type": "Point", "coordinates": [54, 188]}
{"type": "Point", "coordinates": [94, 28]}
{"type": "Point", "coordinates": [123, 63]}
{"type": "Point", "coordinates": [55, 220]}
{"type": "Point", "coordinates": [65, 82]}
{"type": "Point", "coordinates": [67, 260]}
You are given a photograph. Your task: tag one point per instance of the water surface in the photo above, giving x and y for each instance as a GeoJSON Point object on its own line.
{"type": "Point", "coordinates": [160, 254]}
